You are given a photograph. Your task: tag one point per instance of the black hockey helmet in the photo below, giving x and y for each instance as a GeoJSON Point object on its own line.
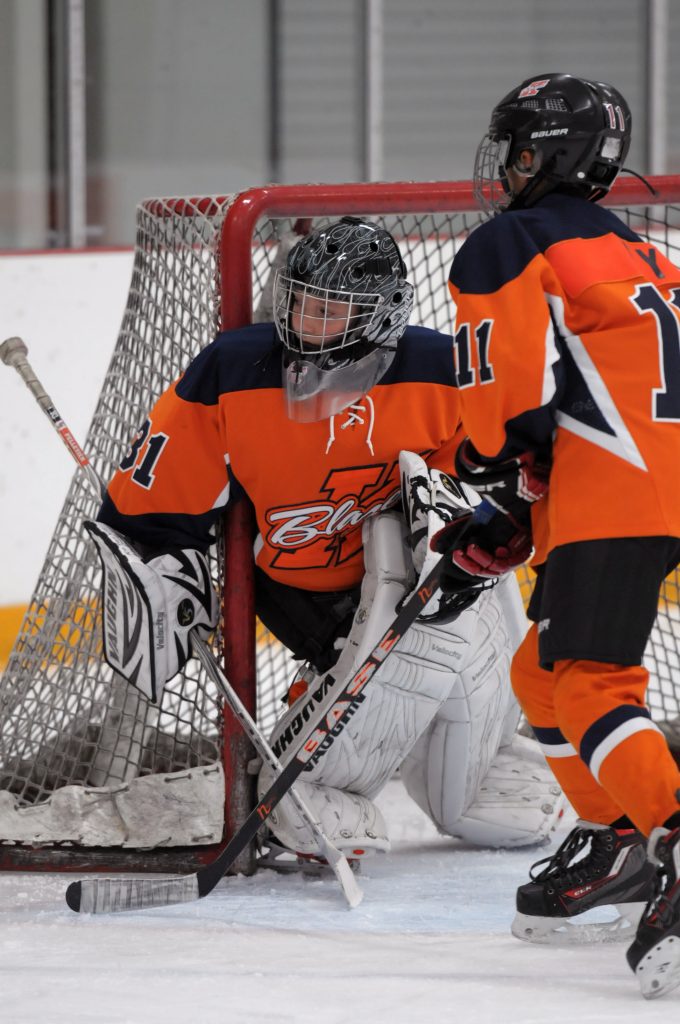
{"type": "Point", "coordinates": [560, 132]}
{"type": "Point", "coordinates": [346, 284]}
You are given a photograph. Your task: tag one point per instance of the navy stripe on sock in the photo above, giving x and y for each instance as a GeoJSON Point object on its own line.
{"type": "Point", "coordinates": [549, 737]}
{"type": "Point", "coordinates": [605, 725]}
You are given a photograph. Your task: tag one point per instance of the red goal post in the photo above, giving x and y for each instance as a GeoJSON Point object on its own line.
{"type": "Point", "coordinates": [91, 775]}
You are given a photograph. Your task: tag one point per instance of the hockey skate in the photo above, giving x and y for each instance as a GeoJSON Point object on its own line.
{"type": "Point", "coordinates": [596, 866]}
{"type": "Point", "coordinates": [274, 855]}
{"type": "Point", "coordinates": [655, 953]}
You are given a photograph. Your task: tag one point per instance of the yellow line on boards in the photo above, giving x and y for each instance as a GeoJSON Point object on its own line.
{"type": "Point", "coordinates": [11, 616]}
{"type": "Point", "coordinates": [10, 621]}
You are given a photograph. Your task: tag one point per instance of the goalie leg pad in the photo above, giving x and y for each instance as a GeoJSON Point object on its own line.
{"type": "Point", "coordinates": [519, 802]}
{"type": "Point", "coordinates": [405, 692]}
{"type": "Point", "coordinates": [351, 822]}
{"type": "Point", "coordinates": [474, 778]}
{"type": "Point", "coordinates": [445, 768]}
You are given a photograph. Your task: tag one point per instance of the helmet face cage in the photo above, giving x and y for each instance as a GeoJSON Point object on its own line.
{"type": "Point", "coordinates": [343, 285]}
{"type": "Point", "coordinates": [577, 131]}
{"type": "Point", "coordinates": [489, 179]}
{"type": "Point", "coordinates": [332, 320]}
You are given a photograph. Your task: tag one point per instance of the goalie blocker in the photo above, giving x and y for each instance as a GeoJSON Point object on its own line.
{"type": "Point", "coordinates": [149, 608]}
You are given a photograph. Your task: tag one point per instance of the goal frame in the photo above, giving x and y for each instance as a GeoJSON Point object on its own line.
{"type": "Point", "coordinates": [235, 283]}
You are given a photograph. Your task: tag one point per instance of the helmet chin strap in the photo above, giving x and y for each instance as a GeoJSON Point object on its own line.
{"type": "Point", "coordinates": [533, 191]}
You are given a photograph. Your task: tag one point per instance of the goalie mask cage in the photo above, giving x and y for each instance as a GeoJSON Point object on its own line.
{"type": "Point", "coordinates": [92, 776]}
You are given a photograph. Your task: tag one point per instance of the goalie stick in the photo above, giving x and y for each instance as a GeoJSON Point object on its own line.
{"type": "Point", "coordinates": [335, 858]}
{"type": "Point", "coordinates": [118, 894]}
{"type": "Point", "coordinates": [13, 352]}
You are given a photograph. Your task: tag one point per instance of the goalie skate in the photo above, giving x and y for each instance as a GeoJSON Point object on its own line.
{"type": "Point", "coordinates": [277, 857]}
{"type": "Point", "coordinates": [596, 867]}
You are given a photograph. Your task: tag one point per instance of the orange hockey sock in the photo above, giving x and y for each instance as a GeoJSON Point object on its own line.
{"type": "Point", "coordinates": [534, 688]}
{"type": "Point", "coordinates": [601, 709]}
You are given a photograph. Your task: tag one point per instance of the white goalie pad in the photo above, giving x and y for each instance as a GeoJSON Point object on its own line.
{"type": "Point", "coordinates": [352, 823]}
{"type": "Point", "coordinates": [445, 768]}
{"type": "Point", "coordinates": [150, 607]}
{"type": "Point", "coordinates": [519, 801]}
{"type": "Point", "coordinates": [404, 694]}
{"type": "Point", "coordinates": [408, 688]}
{"type": "Point", "coordinates": [469, 772]}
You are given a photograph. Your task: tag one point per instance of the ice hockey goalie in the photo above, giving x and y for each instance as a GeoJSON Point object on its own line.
{"type": "Point", "coordinates": [440, 708]}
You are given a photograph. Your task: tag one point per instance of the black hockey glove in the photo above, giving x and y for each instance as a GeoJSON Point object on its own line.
{"type": "Point", "coordinates": [497, 538]}
{"type": "Point", "coordinates": [511, 485]}
{"type": "Point", "coordinates": [489, 544]}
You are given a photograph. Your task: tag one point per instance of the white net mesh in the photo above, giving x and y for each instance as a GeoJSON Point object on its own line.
{"type": "Point", "coordinates": [65, 721]}
{"type": "Point", "coordinates": [65, 718]}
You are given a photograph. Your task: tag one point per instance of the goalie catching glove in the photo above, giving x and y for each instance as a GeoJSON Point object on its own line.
{"type": "Point", "coordinates": [149, 608]}
{"type": "Point", "coordinates": [431, 498]}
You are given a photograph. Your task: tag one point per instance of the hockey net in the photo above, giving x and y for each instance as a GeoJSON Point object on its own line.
{"type": "Point", "coordinates": [91, 774]}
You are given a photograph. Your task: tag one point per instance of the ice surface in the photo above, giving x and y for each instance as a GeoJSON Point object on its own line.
{"type": "Point", "coordinates": [430, 943]}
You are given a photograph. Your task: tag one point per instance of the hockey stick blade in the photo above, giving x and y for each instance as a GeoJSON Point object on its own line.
{"type": "Point", "coordinates": [161, 892]}
{"type": "Point", "coordinates": [107, 895]}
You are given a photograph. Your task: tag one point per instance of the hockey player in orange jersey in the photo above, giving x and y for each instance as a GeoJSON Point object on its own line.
{"type": "Point", "coordinates": [320, 419]}
{"type": "Point", "coordinates": [567, 344]}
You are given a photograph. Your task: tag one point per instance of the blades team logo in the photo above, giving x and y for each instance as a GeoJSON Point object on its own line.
{"type": "Point", "coordinates": [326, 531]}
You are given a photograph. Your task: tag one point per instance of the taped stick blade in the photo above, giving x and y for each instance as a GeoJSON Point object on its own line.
{"type": "Point", "coordinates": [113, 895]}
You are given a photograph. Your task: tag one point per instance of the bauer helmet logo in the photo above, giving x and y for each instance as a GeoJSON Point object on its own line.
{"type": "Point", "coordinates": [549, 132]}
{"type": "Point", "coordinates": [532, 88]}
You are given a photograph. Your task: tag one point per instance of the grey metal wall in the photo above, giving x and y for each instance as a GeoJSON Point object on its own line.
{"type": "Point", "coordinates": [180, 98]}
{"type": "Point", "coordinates": [23, 124]}
{"type": "Point", "coordinates": [177, 102]}
{"type": "Point", "coordinates": [446, 62]}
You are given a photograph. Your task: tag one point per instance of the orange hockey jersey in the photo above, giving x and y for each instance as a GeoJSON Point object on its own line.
{"type": "Point", "coordinates": [221, 430]}
{"type": "Point", "coordinates": [568, 337]}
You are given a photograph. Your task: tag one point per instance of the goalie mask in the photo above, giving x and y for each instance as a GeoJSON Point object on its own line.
{"type": "Point", "coordinates": [340, 306]}
{"type": "Point", "coordinates": [558, 132]}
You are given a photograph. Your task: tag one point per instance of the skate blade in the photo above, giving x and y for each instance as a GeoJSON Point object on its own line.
{"type": "Point", "coordinates": [579, 931]}
{"type": "Point", "coordinates": [308, 865]}
{"type": "Point", "coordinates": [659, 971]}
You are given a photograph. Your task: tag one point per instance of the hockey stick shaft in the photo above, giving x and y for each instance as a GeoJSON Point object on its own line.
{"type": "Point", "coordinates": [14, 352]}
{"type": "Point", "coordinates": [335, 858]}
{"type": "Point", "coordinates": [139, 894]}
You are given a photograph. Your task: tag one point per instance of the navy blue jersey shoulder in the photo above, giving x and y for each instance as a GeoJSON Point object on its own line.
{"type": "Point", "coordinates": [250, 358]}
{"type": "Point", "coordinates": [499, 250]}
{"type": "Point", "coordinates": [423, 356]}
{"type": "Point", "coordinates": [240, 360]}
{"type": "Point", "coordinates": [162, 531]}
